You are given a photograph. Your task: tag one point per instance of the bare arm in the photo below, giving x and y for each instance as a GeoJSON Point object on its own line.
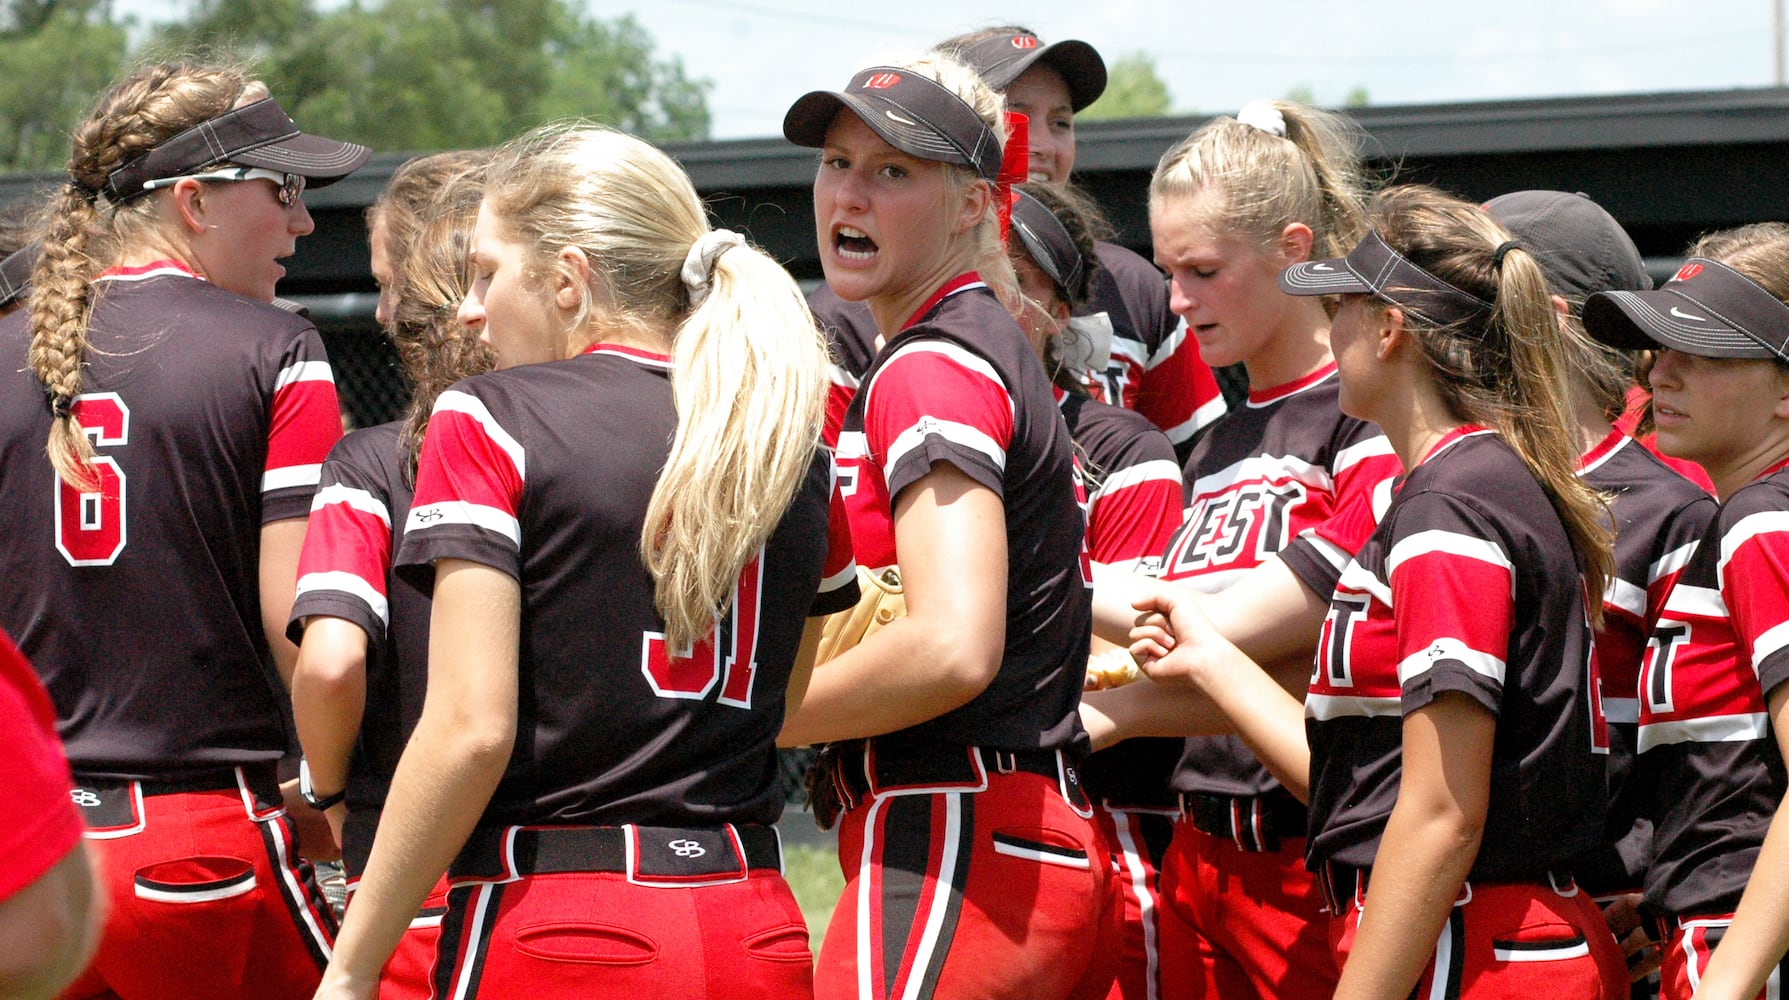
{"type": "Point", "coordinates": [803, 671]}
{"type": "Point", "coordinates": [328, 700]}
{"type": "Point", "coordinates": [1434, 832]}
{"type": "Point", "coordinates": [50, 928]}
{"type": "Point", "coordinates": [1760, 932]}
{"type": "Point", "coordinates": [281, 542]}
{"type": "Point", "coordinates": [951, 535]}
{"type": "Point", "coordinates": [1268, 613]}
{"type": "Point", "coordinates": [449, 769]}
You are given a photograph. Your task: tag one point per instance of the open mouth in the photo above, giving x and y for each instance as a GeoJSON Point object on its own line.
{"type": "Point", "coordinates": [1039, 175]}
{"type": "Point", "coordinates": [853, 244]}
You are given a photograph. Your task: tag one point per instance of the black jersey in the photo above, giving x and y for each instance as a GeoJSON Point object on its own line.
{"type": "Point", "coordinates": [1659, 517]}
{"type": "Point", "coordinates": [959, 384]}
{"type": "Point", "coordinates": [1469, 585]}
{"type": "Point", "coordinates": [345, 572]}
{"type": "Point", "coordinates": [1709, 767]}
{"type": "Point", "coordinates": [1154, 367]}
{"type": "Point", "coordinates": [1133, 506]}
{"type": "Point", "coordinates": [139, 603]}
{"type": "Point", "coordinates": [1267, 473]}
{"type": "Point", "coordinates": [544, 472]}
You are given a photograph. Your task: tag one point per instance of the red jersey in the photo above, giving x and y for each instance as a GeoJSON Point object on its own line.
{"type": "Point", "coordinates": [1284, 463]}
{"type": "Point", "coordinates": [211, 415]}
{"type": "Point", "coordinates": [42, 825]}
{"type": "Point", "coordinates": [1709, 766]}
{"type": "Point", "coordinates": [959, 384]}
{"type": "Point", "coordinates": [1469, 585]}
{"type": "Point", "coordinates": [544, 472]}
{"type": "Point", "coordinates": [345, 571]}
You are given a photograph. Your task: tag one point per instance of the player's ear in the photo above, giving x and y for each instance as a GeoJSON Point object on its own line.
{"type": "Point", "coordinates": [571, 278]}
{"type": "Point", "coordinates": [1295, 242]}
{"type": "Point", "coordinates": [1390, 331]}
{"type": "Point", "coordinates": [189, 209]}
{"type": "Point", "coordinates": [977, 201]}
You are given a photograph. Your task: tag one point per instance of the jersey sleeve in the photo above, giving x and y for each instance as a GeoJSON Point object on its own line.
{"type": "Point", "coordinates": [469, 483]}
{"type": "Point", "coordinates": [343, 567]}
{"type": "Point", "coordinates": [1134, 510]}
{"type": "Point", "coordinates": [1453, 595]}
{"type": "Point", "coordinates": [1365, 471]}
{"type": "Point", "coordinates": [838, 578]}
{"type": "Point", "coordinates": [1674, 547]}
{"type": "Point", "coordinates": [42, 824]}
{"type": "Point", "coordinates": [1178, 391]}
{"type": "Point", "coordinates": [936, 401]}
{"type": "Point", "coordinates": [304, 422]}
{"type": "Point", "coordinates": [1754, 581]}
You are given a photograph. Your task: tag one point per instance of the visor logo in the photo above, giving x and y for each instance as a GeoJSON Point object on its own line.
{"type": "Point", "coordinates": [882, 81]}
{"type": "Point", "coordinates": [1687, 272]}
{"type": "Point", "coordinates": [1024, 41]}
{"type": "Point", "coordinates": [1680, 314]}
{"type": "Point", "coordinates": [898, 118]}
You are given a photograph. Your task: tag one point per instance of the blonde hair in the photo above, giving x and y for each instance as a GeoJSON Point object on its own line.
{"type": "Point", "coordinates": [990, 106]}
{"type": "Point", "coordinates": [1759, 251]}
{"type": "Point", "coordinates": [1312, 175]}
{"type": "Point", "coordinates": [431, 273]}
{"type": "Point", "coordinates": [83, 234]}
{"type": "Point", "coordinates": [1506, 369]}
{"type": "Point", "coordinates": [749, 380]}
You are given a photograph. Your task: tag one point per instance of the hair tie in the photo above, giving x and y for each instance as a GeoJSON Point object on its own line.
{"type": "Point", "coordinates": [88, 192]}
{"type": "Point", "coordinates": [1503, 250]}
{"type": "Point", "coordinates": [61, 404]}
{"type": "Point", "coordinates": [1264, 116]}
{"type": "Point", "coordinates": [698, 264]}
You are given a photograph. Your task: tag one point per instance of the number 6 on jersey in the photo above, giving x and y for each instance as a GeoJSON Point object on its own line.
{"type": "Point", "coordinates": [90, 524]}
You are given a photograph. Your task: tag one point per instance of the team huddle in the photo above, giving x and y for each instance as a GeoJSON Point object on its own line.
{"type": "Point", "coordinates": [1447, 662]}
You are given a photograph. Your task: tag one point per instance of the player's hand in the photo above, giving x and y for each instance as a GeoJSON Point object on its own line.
{"type": "Point", "coordinates": [1623, 916]}
{"type": "Point", "coordinates": [336, 816]}
{"type": "Point", "coordinates": [1174, 643]}
{"type": "Point", "coordinates": [340, 986]}
{"type": "Point", "coordinates": [318, 838]}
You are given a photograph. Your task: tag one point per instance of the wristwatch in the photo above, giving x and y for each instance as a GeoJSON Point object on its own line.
{"type": "Point", "coordinates": [309, 794]}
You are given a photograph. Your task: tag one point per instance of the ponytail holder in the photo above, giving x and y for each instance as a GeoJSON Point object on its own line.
{"type": "Point", "coordinates": [88, 192]}
{"type": "Point", "coordinates": [1264, 116]}
{"type": "Point", "coordinates": [61, 404]}
{"type": "Point", "coordinates": [1015, 168]}
{"type": "Point", "coordinates": [1502, 250]}
{"type": "Point", "coordinates": [698, 264]}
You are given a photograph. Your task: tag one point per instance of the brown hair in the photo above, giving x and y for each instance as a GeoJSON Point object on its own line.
{"type": "Point", "coordinates": [434, 347]}
{"type": "Point", "coordinates": [83, 233]}
{"type": "Point", "coordinates": [1081, 217]}
{"type": "Point", "coordinates": [1505, 369]}
{"type": "Point", "coordinates": [1312, 175]}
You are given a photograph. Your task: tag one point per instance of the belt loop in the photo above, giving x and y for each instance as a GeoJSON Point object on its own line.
{"type": "Point", "coordinates": [1570, 888]}
{"type": "Point", "coordinates": [1005, 761]}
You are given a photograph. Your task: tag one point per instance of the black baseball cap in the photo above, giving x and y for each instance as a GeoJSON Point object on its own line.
{"type": "Point", "coordinates": [1047, 240]}
{"type": "Point", "coordinates": [255, 135]}
{"type": "Point", "coordinates": [1374, 268]}
{"type": "Point", "coordinates": [1706, 309]}
{"type": "Point", "coordinates": [1580, 247]}
{"type": "Point", "coordinates": [15, 274]}
{"type": "Point", "coordinates": [910, 111]}
{"type": "Point", "coordinates": [1004, 58]}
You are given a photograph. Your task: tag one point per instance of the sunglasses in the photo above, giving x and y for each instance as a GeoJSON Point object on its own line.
{"type": "Point", "coordinates": [289, 186]}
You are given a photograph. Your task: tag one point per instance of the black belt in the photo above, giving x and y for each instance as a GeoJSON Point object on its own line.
{"type": "Point", "coordinates": [1342, 884]}
{"type": "Point", "coordinates": [1251, 822]}
{"type": "Point", "coordinates": [650, 855]}
{"type": "Point", "coordinates": [260, 777]}
{"type": "Point", "coordinates": [880, 766]}
{"type": "Point", "coordinates": [109, 805]}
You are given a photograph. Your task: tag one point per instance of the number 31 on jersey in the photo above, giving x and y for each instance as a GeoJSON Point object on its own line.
{"type": "Point", "coordinates": [693, 672]}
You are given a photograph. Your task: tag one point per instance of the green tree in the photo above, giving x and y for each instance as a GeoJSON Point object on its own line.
{"type": "Point", "coordinates": [435, 74]}
{"type": "Point", "coordinates": [55, 58]}
{"type": "Point", "coordinates": [1133, 90]}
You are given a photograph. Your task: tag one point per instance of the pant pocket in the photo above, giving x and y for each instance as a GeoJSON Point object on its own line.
{"type": "Point", "coordinates": [190, 881]}
{"type": "Point", "coordinates": [587, 943]}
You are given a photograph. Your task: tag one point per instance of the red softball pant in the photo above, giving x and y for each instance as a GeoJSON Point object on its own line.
{"type": "Point", "coordinates": [1686, 952]}
{"type": "Point", "coordinates": [1139, 841]}
{"type": "Point", "coordinates": [999, 893]}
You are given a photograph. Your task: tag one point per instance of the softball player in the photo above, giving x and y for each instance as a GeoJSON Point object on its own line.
{"type": "Point", "coordinates": [1453, 752]}
{"type": "Point", "coordinates": [594, 740]}
{"type": "Point", "coordinates": [1231, 206]}
{"type": "Point", "coordinates": [972, 867]}
{"type": "Point", "coordinates": [1151, 365]}
{"type": "Point", "coordinates": [1133, 506]}
{"type": "Point", "coordinates": [363, 655]}
{"type": "Point", "coordinates": [186, 418]}
{"type": "Point", "coordinates": [1711, 713]}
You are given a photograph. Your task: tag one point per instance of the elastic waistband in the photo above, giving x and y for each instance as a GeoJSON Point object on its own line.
{"type": "Point", "coordinates": [1343, 884]}
{"type": "Point", "coordinates": [647, 855]}
{"type": "Point", "coordinates": [1251, 822]}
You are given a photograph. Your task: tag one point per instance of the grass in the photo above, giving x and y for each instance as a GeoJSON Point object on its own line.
{"type": "Point", "coordinates": [813, 875]}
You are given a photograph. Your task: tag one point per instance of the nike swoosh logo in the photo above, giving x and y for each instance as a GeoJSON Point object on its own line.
{"type": "Point", "coordinates": [1321, 267]}
{"type": "Point", "coordinates": [1680, 314]}
{"type": "Point", "coordinates": [903, 121]}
